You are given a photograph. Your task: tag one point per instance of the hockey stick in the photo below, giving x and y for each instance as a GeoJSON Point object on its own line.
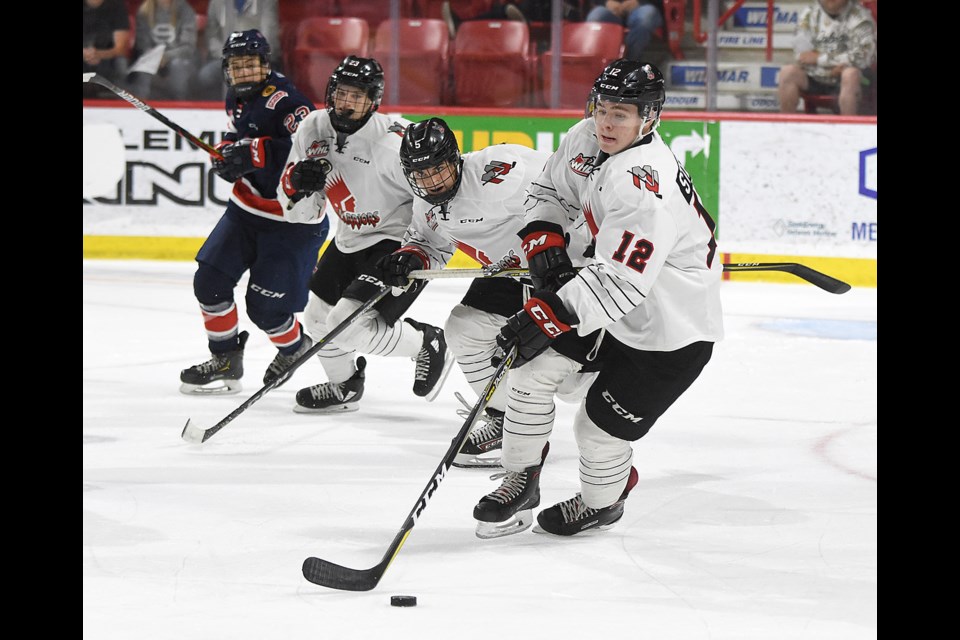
{"type": "Point", "coordinates": [814, 277]}
{"type": "Point", "coordinates": [198, 435]}
{"type": "Point", "coordinates": [335, 576]}
{"type": "Point", "coordinates": [143, 106]}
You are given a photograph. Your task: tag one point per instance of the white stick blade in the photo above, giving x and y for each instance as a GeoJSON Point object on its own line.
{"type": "Point", "coordinates": [104, 159]}
{"type": "Point", "coordinates": [88, 76]}
{"type": "Point", "coordinates": [193, 434]}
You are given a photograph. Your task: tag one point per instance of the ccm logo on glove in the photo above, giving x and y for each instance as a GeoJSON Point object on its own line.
{"type": "Point", "coordinates": [545, 318]}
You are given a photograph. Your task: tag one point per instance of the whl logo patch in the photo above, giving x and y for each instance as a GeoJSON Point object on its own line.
{"type": "Point", "coordinates": [582, 165]}
{"type": "Point", "coordinates": [319, 149]}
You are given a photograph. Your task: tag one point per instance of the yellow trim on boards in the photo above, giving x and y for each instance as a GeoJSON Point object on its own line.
{"type": "Point", "coordinates": [858, 272]}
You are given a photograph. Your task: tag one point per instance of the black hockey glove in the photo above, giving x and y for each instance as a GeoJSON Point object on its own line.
{"type": "Point", "coordinates": [240, 158]}
{"type": "Point", "coordinates": [305, 177]}
{"type": "Point", "coordinates": [543, 319]}
{"type": "Point", "coordinates": [545, 247]}
{"type": "Point", "coordinates": [396, 267]}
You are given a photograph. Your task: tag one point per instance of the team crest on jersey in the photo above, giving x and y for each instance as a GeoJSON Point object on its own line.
{"type": "Point", "coordinates": [582, 166]}
{"type": "Point", "coordinates": [319, 149]}
{"type": "Point", "coordinates": [345, 205]}
{"type": "Point", "coordinates": [397, 128]}
{"type": "Point", "coordinates": [509, 261]}
{"type": "Point", "coordinates": [647, 178]}
{"type": "Point", "coordinates": [275, 98]}
{"type": "Point", "coordinates": [494, 172]}
{"type": "Point", "coordinates": [267, 90]}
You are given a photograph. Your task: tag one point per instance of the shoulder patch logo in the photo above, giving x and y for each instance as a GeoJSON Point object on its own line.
{"type": "Point", "coordinates": [647, 178]}
{"type": "Point", "coordinates": [582, 165]}
{"type": "Point", "coordinates": [319, 149]}
{"type": "Point", "coordinates": [275, 98]}
{"type": "Point", "coordinates": [267, 90]}
{"type": "Point", "coordinates": [397, 128]}
{"type": "Point", "coordinates": [494, 172]}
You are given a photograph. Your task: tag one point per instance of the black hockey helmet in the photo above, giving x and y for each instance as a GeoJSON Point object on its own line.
{"type": "Point", "coordinates": [425, 148]}
{"type": "Point", "coordinates": [631, 82]}
{"type": "Point", "coordinates": [247, 43]}
{"type": "Point", "coordinates": [365, 74]}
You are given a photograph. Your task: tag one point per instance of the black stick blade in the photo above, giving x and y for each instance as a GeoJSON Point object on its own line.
{"type": "Point", "coordinates": [334, 576]}
{"type": "Point", "coordinates": [802, 271]}
{"type": "Point", "coordinates": [822, 280]}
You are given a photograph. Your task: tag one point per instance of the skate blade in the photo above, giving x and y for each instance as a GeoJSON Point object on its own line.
{"type": "Point", "coordinates": [227, 388]}
{"type": "Point", "coordinates": [447, 365]}
{"type": "Point", "coordinates": [584, 532]}
{"type": "Point", "coordinates": [520, 521]}
{"type": "Point", "coordinates": [339, 408]}
{"type": "Point", "coordinates": [466, 461]}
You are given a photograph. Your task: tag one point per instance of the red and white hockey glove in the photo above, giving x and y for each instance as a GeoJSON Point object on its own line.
{"type": "Point", "coordinates": [546, 250]}
{"type": "Point", "coordinates": [543, 319]}
{"type": "Point", "coordinates": [242, 157]}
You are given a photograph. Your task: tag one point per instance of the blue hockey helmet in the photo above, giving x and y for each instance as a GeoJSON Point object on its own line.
{"type": "Point", "coordinates": [251, 78]}
{"type": "Point", "coordinates": [364, 74]}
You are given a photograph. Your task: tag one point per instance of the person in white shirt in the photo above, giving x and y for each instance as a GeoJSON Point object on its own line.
{"type": "Point", "coordinates": [648, 302]}
{"type": "Point", "coordinates": [346, 156]}
{"type": "Point", "coordinates": [472, 202]}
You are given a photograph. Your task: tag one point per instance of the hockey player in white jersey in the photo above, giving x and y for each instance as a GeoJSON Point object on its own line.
{"type": "Point", "coordinates": [347, 155]}
{"type": "Point", "coordinates": [651, 291]}
{"type": "Point", "coordinates": [472, 202]}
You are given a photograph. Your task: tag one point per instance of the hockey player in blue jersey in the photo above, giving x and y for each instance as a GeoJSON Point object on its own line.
{"type": "Point", "coordinates": [278, 246]}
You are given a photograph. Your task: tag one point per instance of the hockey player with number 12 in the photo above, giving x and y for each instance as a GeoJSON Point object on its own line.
{"type": "Point", "coordinates": [347, 155]}
{"type": "Point", "coordinates": [652, 289]}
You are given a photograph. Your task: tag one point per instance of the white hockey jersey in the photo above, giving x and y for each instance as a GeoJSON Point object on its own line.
{"type": "Point", "coordinates": [366, 188]}
{"type": "Point", "coordinates": [654, 282]}
{"type": "Point", "coordinates": [483, 218]}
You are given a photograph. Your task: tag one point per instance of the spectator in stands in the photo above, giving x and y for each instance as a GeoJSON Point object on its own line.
{"type": "Point", "coordinates": [223, 18]}
{"type": "Point", "coordinates": [106, 41]}
{"type": "Point", "coordinates": [834, 44]}
{"type": "Point", "coordinates": [171, 24]}
{"type": "Point", "coordinates": [641, 18]}
{"type": "Point", "coordinates": [525, 10]}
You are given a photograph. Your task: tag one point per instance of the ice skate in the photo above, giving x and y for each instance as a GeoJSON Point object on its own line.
{"type": "Point", "coordinates": [571, 517]}
{"type": "Point", "coordinates": [220, 375]}
{"type": "Point", "coordinates": [333, 397]}
{"type": "Point", "coordinates": [279, 368]}
{"type": "Point", "coordinates": [482, 449]}
{"type": "Point", "coordinates": [433, 362]}
{"type": "Point", "coordinates": [509, 508]}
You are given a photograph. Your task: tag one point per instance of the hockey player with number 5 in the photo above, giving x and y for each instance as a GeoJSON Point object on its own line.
{"type": "Point", "coordinates": [279, 247]}
{"type": "Point", "coordinates": [471, 202]}
{"type": "Point", "coordinates": [346, 156]}
{"type": "Point", "coordinates": [652, 289]}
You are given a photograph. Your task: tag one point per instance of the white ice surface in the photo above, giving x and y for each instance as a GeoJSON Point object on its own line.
{"type": "Point", "coordinates": [755, 516]}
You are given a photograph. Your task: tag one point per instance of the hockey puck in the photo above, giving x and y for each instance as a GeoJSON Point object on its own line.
{"type": "Point", "coordinates": [403, 601]}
